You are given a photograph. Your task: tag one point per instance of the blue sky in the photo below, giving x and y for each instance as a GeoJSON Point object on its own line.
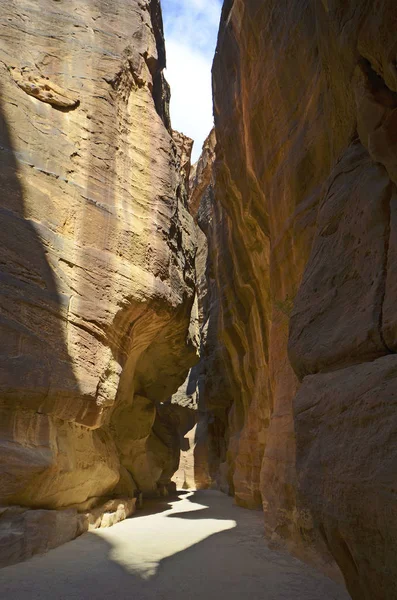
{"type": "Point", "coordinates": [191, 29]}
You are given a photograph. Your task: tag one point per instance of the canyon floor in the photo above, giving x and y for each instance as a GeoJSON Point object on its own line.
{"type": "Point", "coordinates": [198, 546]}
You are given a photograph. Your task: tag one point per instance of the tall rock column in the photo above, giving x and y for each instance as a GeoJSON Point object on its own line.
{"type": "Point", "coordinates": [98, 251]}
{"type": "Point", "coordinates": [203, 412]}
{"type": "Point", "coordinates": [305, 97]}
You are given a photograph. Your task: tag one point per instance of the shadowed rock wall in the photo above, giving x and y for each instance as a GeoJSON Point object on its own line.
{"type": "Point", "coordinates": [199, 439]}
{"type": "Point", "coordinates": [305, 98]}
{"type": "Point", "coordinates": [98, 251]}
{"type": "Point", "coordinates": [292, 407]}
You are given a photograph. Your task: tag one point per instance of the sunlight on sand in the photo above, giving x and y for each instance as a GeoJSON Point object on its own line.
{"type": "Point", "coordinates": [178, 534]}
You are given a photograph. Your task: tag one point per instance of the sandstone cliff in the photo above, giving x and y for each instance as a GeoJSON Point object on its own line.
{"type": "Point", "coordinates": [279, 268]}
{"type": "Point", "coordinates": [305, 98]}
{"type": "Point", "coordinates": [199, 461]}
{"type": "Point", "coordinates": [97, 266]}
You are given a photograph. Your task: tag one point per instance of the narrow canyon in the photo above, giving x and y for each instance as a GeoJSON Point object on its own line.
{"type": "Point", "coordinates": [222, 329]}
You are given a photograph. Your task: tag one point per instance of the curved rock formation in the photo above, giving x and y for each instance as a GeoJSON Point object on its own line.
{"type": "Point", "coordinates": [304, 267]}
{"type": "Point", "coordinates": [283, 280]}
{"type": "Point", "coordinates": [98, 252]}
{"type": "Point", "coordinates": [194, 414]}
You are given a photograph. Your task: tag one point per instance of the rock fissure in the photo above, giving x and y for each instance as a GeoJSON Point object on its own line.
{"type": "Point", "coordinates": [225, 325]}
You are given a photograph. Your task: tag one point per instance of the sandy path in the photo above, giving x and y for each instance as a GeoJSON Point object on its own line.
{"type": "Point", "coordinates": [200, 546]}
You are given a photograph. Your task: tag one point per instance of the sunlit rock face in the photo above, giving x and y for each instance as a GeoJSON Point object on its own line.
{"type": "Point", "coordinates": [98, 251]}
{"type": "Point", "coordinates": [305, 267]}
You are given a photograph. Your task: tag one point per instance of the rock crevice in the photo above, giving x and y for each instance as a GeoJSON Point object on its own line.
{"type": "Point", "coordinates": [241, 311]}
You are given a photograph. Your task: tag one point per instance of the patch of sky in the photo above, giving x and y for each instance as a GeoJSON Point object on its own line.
{"type": "Point", "coordinates": [191, 29]}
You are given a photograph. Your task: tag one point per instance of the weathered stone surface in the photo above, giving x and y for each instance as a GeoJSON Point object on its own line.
{"type": "Point", "coordinates": [24, 533]}
{"type": "Point", "coordinates": [346, 459]}
{"type": "Point", "coordinates": [43, 89]}
{"type": "Point", "coordinates": [338, 309]}
{"type": "Point", "coordinates": [44, 462]}
{"type": "Point", "coordinates": [304, 270]}
{"type": "Point", "coordinates": [110, 513]}
{"type": "Point", "coordinates": [292, 405]}
{"type": "Point", "coordinates": [198, 447]}
{"type": "Point", "coordinates": [98, 249]}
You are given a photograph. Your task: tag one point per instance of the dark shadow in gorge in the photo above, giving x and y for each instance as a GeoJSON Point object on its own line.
{"type": "Point", "coordinates": [154, 506]}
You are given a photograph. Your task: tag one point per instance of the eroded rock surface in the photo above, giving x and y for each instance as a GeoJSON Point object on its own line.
{"type": "Point", "coordinates": [98, 249]}
{"type": "Point", "coordinates": [285, 284]}
{"type": "Point", "coordinates": [304, 267]}
{"type": "Point", "coordinates": [200, 439]}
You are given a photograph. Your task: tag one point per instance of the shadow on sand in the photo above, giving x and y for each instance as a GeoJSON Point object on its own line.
{"type": "Point", "coordinates": [202, 547]}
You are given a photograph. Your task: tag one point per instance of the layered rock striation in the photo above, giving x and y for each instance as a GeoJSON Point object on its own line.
{"type": "Point", "coordinates": [98, 249]}
{"type": "Point", "coordinates": [278, 267]}
{"type": "Point", "coordinates": [200, 439]}
{"type": "Point", "coordinates": [303, 265]}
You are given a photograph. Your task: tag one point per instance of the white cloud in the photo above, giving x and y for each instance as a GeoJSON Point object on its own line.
{"type": "Point", "coordinates": [191, 28]}
{"type": "Point", "coordinates": [189, 75]}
